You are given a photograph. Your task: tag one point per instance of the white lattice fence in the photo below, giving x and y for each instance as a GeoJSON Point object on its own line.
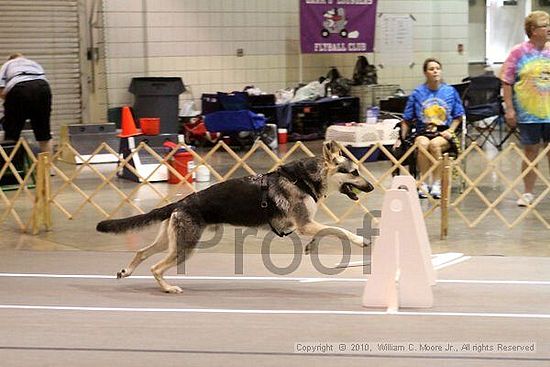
{"type": "Point", "coordinates": [81, 189]}
{"type": "Point", "coordinates": [505, 186]}
{"type": "Point", "coordinates": [18, 175]}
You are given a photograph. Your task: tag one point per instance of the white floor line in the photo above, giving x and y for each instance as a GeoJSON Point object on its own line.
{"type": "Point", "coordinates": [275, 312]}
{"type": "Point", "coordinates": [68, 276]}
{"type": "Point", "coordinates": [261, 278]}
{"type": "Point", "coordinates": [452, 262]}
{"type": "Point", "coordinates": [439, 261]}
{"type": "Point", "coordinates": [488, 281]}
{"type": "Point", "coordinates": [317, 280]}
{"type": "Point", "coordinates": [445, 258]}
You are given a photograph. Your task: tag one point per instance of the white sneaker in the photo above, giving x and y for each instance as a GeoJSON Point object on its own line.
{"type": "Point", "coordinates": [436, 190]}
{"type": "Point", "coordinates": [423, 191]}
{"type": "Point", "coordinates": [526, 199]}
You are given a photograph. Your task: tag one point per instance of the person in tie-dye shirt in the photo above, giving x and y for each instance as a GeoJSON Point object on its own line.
{"type": "Point", "coordinates": [526, 89]}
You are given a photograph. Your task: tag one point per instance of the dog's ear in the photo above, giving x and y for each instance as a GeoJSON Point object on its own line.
{"type": "Point", "coordinates": [331, 151]}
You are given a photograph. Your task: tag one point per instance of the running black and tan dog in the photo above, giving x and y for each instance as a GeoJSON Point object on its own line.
{"type": "Point", "coordinates": [285, 199]}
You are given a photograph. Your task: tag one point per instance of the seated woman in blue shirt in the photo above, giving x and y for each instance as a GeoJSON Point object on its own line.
{"type": "Point", "coordinates": [436, 111]}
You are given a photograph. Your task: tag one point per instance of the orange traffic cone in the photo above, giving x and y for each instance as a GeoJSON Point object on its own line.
{"type": "Point", "coordinates": [128, 124]}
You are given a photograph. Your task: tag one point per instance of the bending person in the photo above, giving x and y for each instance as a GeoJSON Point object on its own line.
{"type": "Point", "coordinates": [435, 110]}
{"type": "Point", "coordinates": [27, 95]}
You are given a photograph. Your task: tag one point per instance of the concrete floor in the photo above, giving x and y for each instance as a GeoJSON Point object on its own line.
{"type": "Point", "coordinates": [72, 310]}
{"type": "Point", "coordinates": [61, 308]}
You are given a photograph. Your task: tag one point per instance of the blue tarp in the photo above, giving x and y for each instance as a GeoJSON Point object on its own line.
{"type": "Point", "coordinates": [233, 121]}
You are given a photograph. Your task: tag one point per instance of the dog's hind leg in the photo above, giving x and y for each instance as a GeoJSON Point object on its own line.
{"type": "Point", "coordinates": [314, 229]}
{"type": "Point", "coordinates": [184, 233]}
{"type": "Point", "coordinates": [159, 244]}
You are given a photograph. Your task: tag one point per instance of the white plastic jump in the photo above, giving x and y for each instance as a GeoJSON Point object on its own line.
{"type": "Point", "coordinates": [401, 272]}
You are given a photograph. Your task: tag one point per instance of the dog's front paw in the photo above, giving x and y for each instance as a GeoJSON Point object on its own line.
{"type": "Point", "coordinates": [360, 241]}
{"type": "Point", "coordinates": [123, 274]}
{"type": "Point", "coordinates": [173, 289]}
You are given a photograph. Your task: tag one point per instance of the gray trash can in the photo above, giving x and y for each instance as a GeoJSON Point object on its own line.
{"type": "Point", "coordinates": [158, 97]}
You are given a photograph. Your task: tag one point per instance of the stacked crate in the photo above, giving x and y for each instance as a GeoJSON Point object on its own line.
{"type": "Point", "coordinates": [370, 95]}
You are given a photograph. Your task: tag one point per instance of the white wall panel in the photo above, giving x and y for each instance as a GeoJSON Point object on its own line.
{"type": "Point", "coordinates": [197, 40]}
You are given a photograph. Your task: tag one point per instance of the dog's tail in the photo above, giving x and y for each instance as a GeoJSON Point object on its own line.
{"type": "Point", "coordinates": [141, 220]}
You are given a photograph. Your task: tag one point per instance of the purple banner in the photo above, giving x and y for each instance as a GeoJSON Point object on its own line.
{"type": "Point", "coordinates": [330, 26]}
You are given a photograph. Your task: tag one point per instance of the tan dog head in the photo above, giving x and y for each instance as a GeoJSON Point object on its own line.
{"type": "Point", "coordinates": [342, 173]}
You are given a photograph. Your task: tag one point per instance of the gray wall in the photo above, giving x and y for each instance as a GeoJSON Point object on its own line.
{"type": "Point", "coordinates": [197, 41]}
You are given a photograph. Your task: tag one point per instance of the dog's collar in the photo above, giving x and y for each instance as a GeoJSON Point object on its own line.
{"type": "Point", "coordinates": [300, 182]}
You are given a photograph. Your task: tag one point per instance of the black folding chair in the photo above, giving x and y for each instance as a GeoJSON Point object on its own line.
{"type": "Point", "coordinates": [482, 101]}
{"type": "Point", "coordinates": [461, 88]}
{"type": "Point", "coordinates": [394, 107]}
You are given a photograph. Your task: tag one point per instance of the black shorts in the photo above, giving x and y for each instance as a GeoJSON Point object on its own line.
{"type": "Point", "coordinates": [534, 133]}
{"type": "Point", "coordinates": [453, 142]}
{"type": "Point", "coordinates": [30, 100]}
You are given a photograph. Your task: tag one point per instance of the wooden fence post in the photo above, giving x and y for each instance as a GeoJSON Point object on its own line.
{"type": "Point", "coordinates": [41, 213]}
{"type": "Point", "coordinates": [445, 193]}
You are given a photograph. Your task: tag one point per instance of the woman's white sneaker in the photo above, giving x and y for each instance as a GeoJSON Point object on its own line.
{"type": "Point", "coordinates": [436, 190]}
{"type": "Point", "coordinates": [526, 199]}
{"type": "Point", "coordinates": [423, 191]}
